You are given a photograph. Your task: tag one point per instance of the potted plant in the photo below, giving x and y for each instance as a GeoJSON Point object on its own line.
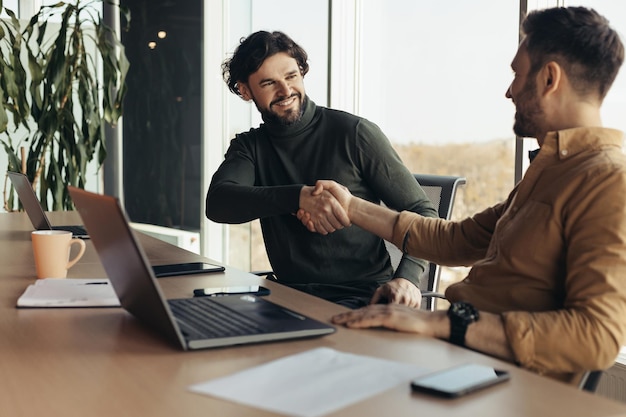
{"type": "Point", "coordinates": [59, 86]}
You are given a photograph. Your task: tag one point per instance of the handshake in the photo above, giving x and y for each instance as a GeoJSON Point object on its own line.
{"type": "Point", "coordinates": [324, 208]}
{"type": "Point", "coordinates": [328, 207]}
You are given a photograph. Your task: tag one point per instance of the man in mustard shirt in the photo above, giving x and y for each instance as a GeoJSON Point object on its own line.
{"type": "Point", "coordinates": [547, 288]}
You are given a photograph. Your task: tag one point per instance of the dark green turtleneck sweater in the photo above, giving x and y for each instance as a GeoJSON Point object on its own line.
{"type": "Point", "coordinates": [262, 175]}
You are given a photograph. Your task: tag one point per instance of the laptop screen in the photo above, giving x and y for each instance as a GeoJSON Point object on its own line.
{"type": "Point", "coordinates": [29, 201]}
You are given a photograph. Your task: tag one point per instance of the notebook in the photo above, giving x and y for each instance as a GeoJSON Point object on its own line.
{"type": "Point", "coordinates": [191, 323]}
{"type": "Point", "coordinates": [31, 205]}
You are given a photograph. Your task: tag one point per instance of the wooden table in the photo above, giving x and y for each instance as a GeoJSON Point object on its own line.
{"type": "Point", "coordinates": [102, 362]}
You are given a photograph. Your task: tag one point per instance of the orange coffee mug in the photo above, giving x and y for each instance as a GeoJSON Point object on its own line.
{"type": "Point", "coordinates": [52, 252]}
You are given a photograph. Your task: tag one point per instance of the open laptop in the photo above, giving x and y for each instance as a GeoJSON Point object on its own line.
{"type": "Point", "coordinates": [31, 205]}
{"type": "Point", "coordinates": [191, 323]}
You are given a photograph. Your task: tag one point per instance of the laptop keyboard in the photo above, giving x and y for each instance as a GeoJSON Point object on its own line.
{"type": "Point", "coordinates": [203, 318]}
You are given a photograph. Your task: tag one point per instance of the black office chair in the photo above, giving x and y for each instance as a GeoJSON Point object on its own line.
{"type": "Point", "coordinates": [441, 190]}
{"type": "Point", "coordinates": [590, 381]}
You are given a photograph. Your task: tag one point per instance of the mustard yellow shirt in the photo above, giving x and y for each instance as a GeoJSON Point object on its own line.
{"type": "Point", "coordinates": [551, 259]}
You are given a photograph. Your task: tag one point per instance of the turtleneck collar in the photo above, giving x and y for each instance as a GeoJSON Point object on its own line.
{"type": "Point", "coordinates": [532, 154]}
{"type": "Point", "coordinates": [279, 130]}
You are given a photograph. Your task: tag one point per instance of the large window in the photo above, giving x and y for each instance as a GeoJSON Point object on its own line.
{"type": "Point", "coordinates": [431, 74]}
{"type": "Point", "coordinates": [11, 5]}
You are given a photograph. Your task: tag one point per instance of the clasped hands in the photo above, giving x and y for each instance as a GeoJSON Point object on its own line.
{"type": "Point", "coordinates": [324, 209]}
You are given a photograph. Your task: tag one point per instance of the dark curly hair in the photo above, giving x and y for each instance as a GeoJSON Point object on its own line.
{"type": "Point", "coordinates": [254, 50]}
{"type": "Point", "coordinates": [581, 41]}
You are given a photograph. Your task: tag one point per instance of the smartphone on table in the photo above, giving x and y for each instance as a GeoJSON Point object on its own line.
{"type": "Point", "coordinates": [232, 290]}
{"type": "Point", "coordinates": [185, 269]}
{"type": "Point", "coordinates": [459, 380]}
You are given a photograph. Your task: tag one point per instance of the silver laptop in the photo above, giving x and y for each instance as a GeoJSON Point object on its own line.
{"type": "Point", "coordinates": [191, 323]}
{"type": "Point", "coordinates": [33, 208]}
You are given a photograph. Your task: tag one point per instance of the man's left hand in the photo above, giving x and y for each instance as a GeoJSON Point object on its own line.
{"type": "Point", "coordinates": [398, 291]}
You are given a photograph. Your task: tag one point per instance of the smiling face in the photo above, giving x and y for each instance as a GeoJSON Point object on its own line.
{"type": "Point", "coordinates": [529, 115]}
{"type": "Point", "coordinates": [277, 89]}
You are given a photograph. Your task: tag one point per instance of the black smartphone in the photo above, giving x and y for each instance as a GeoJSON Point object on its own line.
{"type": "Point", "coordinates": [185, 269]}
{"type": "Point", "coordinates": [460, 380]}
{"type": "Point", "coordinates": [242, 289]}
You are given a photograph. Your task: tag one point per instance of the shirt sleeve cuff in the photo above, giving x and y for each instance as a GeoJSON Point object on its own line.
{"type": "Point", "coordinates": [518, 330]}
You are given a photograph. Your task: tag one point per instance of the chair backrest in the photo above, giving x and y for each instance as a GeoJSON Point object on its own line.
{"type": "Point", "coordinates": [590, 381]}
{"type": "Point", "coordinates": [441, 190]}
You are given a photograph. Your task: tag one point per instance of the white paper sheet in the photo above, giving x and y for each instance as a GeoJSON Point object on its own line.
{"type": "Point", "coordinates": [310, 384]}
{"type": "Point", "coordinates": [75, 292]}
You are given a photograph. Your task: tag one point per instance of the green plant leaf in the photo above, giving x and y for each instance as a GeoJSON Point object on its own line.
{"type": "Point", "coordinates": [57, 97]}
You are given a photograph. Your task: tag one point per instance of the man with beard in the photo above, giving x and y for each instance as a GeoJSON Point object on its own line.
{"type": "Point", "coordinates": [268, 173]}
{"type": "Point", "coordinates": [547, 288]}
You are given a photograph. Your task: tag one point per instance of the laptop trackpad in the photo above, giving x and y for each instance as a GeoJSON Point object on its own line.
{"type": "Point", "coordinates": [266, 312]}
{"type": "Point", "coordinates": [280, 314]}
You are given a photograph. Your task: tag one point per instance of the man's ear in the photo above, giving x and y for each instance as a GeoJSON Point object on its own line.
{"type": "Point", "coordinates": [551, 77]}
{"type": "Point", "coordinates": [244, 91]}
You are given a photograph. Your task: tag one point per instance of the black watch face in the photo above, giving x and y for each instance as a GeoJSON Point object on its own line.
{"type": "Point", "coordinates": [465, 311]}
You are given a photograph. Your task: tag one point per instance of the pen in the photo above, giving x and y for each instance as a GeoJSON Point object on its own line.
{"type": "Point", "coordinates": [97, 283]}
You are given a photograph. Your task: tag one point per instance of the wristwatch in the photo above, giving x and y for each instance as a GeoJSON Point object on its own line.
{"type": "Point", "coordinates": [461, 315]}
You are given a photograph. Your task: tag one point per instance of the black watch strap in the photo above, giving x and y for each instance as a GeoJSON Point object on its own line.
{"type": "Point", "coordinates": [461, 315]}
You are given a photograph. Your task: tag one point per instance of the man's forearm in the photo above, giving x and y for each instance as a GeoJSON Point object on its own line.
{"type": "Point", "coordinates": [373, 217]}
{"type": "Point", "coordinates": [234, 203]}
{"type": "Point", "coordinates": [487, 335]}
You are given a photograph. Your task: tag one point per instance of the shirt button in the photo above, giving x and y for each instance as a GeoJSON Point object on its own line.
{"type": "Point", "coordinates": [564, 152]}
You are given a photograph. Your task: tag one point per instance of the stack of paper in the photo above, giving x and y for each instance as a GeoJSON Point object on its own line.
{"type": "Point", "coordinates": [78, 292]}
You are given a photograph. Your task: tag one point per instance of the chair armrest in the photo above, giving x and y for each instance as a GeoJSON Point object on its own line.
{"type": "Point", "coordinates": [432, 294]}
{"type": "Point", "coordinates": [267, 274]}
{"type": "Point", "coordinates": [262, 273]}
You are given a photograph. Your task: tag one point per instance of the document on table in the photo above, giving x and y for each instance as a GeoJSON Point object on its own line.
{"type": "Point", "coordinates": [69, 292]}
{"type": "Point", "coordinates": [312, 383]}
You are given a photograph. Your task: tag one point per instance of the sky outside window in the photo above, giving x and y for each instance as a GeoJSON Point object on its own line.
{"type": "Point", "coordinates": [441, 69]}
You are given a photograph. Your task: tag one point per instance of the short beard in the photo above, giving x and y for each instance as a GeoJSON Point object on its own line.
{"type": "Point", "coordinates": [528, 113]}
{"type": "Point", "coordinates": [288, 120]}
